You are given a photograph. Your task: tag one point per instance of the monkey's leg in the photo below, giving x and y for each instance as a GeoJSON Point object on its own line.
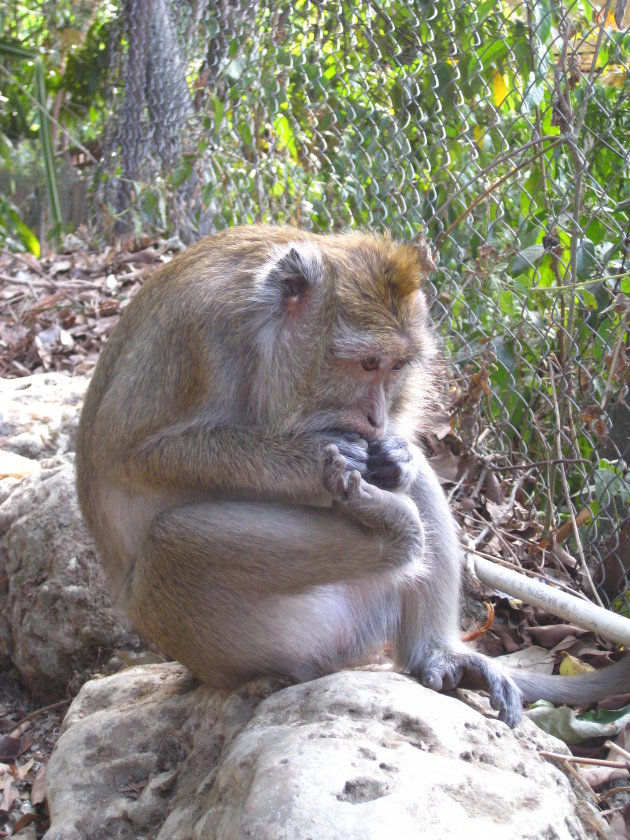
{"type": "Point", "coordinates": [235, 590]}
{"type": "Point", "coordinates": [428, 644]}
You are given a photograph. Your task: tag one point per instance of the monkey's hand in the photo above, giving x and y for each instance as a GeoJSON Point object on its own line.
{"type": "Point", "coordinates": [351, 447]}
{"type": "Point", "coordinates": [445, 669]}
{"type": "Point", "coordinates": [393, 515]}
{"type": "Point", "coordinates": [390, 464]}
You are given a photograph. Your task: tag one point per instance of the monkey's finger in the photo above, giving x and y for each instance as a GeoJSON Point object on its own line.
{"type": "Point", "coordinates": [386, 472]}
{"type": "Point", "coordinates": [334, 476]}
{"type": "Point", "coordinates": [356, 457]}
{"type": "Point", "coordinates": [333, 458]}
{"type": "Point", "coordinates": [355, 437]}
{"type": "Point", "coordinates": [354, 484]}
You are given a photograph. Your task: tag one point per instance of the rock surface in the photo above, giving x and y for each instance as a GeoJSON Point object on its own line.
{"type": "Point", "coordinates": [56, 616]}
{"type": "Point", "coordinates": [148, 753]}
{"type": "Point", "coordinates": [39, 414]}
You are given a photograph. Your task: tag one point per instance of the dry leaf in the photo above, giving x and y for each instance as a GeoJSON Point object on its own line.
{"type": "Point", "coordinates": [38, 790]}
{"type": "Point", "coordinates": [570, 666]}
{"type": "Point", "coordinates": [9, 795]}
{"type": "Point", "coordinates": [23, 822]}
{"type": "Point", "coordinates": [23, 770]}
{"type": "Point", "coordinates": [9, 748]}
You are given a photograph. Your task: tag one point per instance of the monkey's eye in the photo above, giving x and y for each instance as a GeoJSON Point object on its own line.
{"type": "Point", "coordinates": [371, 363]}
{"type": "Point", "coordinates": [399, 364]}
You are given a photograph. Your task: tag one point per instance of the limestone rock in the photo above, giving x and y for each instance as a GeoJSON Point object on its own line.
{"type": "Point", "coordinates": [148, 753]}
{"type": "Point", "coordinates": [39, 414]}
{"type": "Point", "coordinates": [56, 615]}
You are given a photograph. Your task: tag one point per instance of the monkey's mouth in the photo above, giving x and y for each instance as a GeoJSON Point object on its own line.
{"type": "Point", "coordinates": [329, 422]}
{"type": "Point", "coordinates": [356, 433]}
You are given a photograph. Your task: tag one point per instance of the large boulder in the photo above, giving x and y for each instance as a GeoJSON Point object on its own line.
{"type": "Point", "coordinates": [57, 621]}
{"type": "Point", "coordinates": [370, 755]}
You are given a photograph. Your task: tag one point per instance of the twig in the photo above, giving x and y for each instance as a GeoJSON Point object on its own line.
{"type": "Point", "coordinates": [532, 464]}
{"type": "Point", "coordinates": [16, 255]}
{"type": "Point", "coordinates": [616, 748]}
{"type": "Point", "coordinates": [553, 138]}
{"type": "Point", "coordinates": [597, 762]}
{"type": "Point", "coordinates": [504, 510]}
{"type": "Point", "coordinates": [567, 492]}
{"type": "Point", "coordinates": [47, 115]}
{"type": "Point", "coordinates": [496, 184]}
{"type": "Point", "coordinates": [583, 613]}
{"type": "Point", "coordinates": [456, 487]}
{"type": "Point", "coordinates": [42, 711]}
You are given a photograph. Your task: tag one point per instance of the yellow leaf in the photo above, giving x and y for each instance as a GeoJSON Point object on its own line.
{"type": "Point", "coordinates": [478, 134]}
{"type": "Point", "coordinates": [571, 665]}
{"type": "Point", "coordinates": [615, 76]}
{"type": "Point", "coordinates": [499, 88]}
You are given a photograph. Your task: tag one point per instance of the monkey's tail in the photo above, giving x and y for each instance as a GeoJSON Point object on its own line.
{"type": "Point", "coordinates": [575, 690]}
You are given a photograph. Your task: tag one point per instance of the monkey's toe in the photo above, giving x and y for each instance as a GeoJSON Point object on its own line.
{"type": "Point", "coordinates": [448, 670]}
{"type": "Point", "coordinates": [505, 696]}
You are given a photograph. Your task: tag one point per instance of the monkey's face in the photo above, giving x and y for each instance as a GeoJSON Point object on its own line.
{"type": "Point", "coordinates": [360, 379]}
{"type": "Point", "coordinates": [380, 333]}
{"type": "Point", "coordinates": [350, 328]}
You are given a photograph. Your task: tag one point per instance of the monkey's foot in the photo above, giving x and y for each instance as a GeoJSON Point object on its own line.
{"type": "Point", "coordinates": [445, 670]}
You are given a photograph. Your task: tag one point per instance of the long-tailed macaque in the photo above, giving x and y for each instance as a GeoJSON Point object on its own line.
{"type": "Point", "coordinates": [247, 465]}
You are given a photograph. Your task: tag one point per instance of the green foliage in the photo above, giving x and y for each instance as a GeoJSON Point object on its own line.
{"type": "Point", "coordinates": [53, 56]}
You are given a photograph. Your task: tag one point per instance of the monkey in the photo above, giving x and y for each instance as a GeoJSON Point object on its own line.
{"type": "Point", "coordinates": [247, 463]}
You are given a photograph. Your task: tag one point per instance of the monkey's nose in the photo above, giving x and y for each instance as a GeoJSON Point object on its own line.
{"type": "Point", "coordinates": [377, 426]}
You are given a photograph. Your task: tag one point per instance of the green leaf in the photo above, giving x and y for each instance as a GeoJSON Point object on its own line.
{"type": "Point", "coordinates": [572, 728]}
{"type": "Point", "coordinates": [534, 93]}
{"type": "Point", "coordinates": [585, 259]}
{"type": "Point", "coordinates": [148, 202]}
{"type": "Point", "coordinates": [531, 196]}
{"type": "Point", "coordinates": [494, 54]}
{"type": "Point", "coordinates": [235, 69]}
{"type": "Point", "coordinates": [285, 135]}
{"type": "Point", "coordinates": [543, 19]}
{"type": "Point", "coordinates": [182, 172]}
{"type": "Point", "coordinates": [526, 259]}
{"type": "Point", "coordinates": [15, 50]}
{"type": "Point", "coordinates": [29, 239]}
{"type": "Point", "coordinates": [506, 302]}
{"type": "Point", "coordinates": [245, 131]}
{"type": "Point", "coordinates": [47, 146]}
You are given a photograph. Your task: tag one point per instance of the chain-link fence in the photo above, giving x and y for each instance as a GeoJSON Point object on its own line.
{"type": "Point", "coordinates": [499, 130]}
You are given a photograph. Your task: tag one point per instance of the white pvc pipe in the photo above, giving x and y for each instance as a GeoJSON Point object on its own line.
{"type": "Point", "coordinates": [583, 613]}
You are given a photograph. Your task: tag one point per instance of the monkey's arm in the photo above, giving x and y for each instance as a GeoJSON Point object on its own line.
{"type": "Point", "coordinates": [234, 461]}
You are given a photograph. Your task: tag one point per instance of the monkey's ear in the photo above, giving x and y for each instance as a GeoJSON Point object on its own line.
{"type": "Point", "coordinates": [295, 270]}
